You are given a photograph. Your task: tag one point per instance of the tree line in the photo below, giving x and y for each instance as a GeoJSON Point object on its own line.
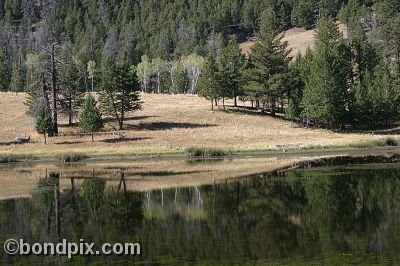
{"type": "Point", "coordinates": [57, 52]}
{"type": "Point", "coordinates": [352, 82]}
{"type": "Point", "coordinates": [127, 29]}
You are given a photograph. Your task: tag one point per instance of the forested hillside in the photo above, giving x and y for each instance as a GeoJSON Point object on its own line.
{"type": "Point", "coordinates": [57, 50]}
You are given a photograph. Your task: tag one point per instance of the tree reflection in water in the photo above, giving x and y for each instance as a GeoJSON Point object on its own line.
{"type": "Point", "coordinates": [335, 216]}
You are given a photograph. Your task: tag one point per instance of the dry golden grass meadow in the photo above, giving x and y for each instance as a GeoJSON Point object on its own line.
{"type": "Point", "coordinates": [167, 124]}
{"type": "Point", "coordinates": [298, 39]}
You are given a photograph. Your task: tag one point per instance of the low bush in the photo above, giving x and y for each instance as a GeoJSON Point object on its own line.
{"type": "Point", "coordinates": [72, 157]}
{"type": "Point", "coordinates": [205, 152]}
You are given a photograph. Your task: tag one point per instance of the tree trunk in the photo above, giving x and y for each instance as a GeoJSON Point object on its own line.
{"type": "Point", "coordinates": [234, 98]}
{"type": "Point", "coordinates": [70, 110]}
{"type": "Point", "coordinates": [54, 91]}
{"type": "Point", "coordinates": [273, 109]}
{"type": "Point", "coordinates": [92, 137]}
{"type": "Point", "coordinates": [57, 207]}
{"type": "Point", "coordinates": [212, 104]}
{"type": "Point", "coordinates": [223, 102]}
{"type": "Point", "coordinates": [121, 121]}
{"type": "Point", "coordinates": [158, 82]}
{"type": "Point", "coordinates": [45, 139]}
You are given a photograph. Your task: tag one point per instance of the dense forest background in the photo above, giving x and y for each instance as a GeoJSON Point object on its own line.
{"type": "Point", "coordinates": [67, 48]}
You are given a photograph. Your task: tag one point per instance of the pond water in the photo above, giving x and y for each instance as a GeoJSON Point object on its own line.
{"type": "Point", "coordinates": [340, 215]}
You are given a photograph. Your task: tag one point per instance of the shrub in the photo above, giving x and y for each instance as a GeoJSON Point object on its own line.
{"type": "Point", "coordinates": [72, 157]}
{"type": "Point", "coordinates": [205, 152]}
{"type": "Point", "coordinates": [391, 142]}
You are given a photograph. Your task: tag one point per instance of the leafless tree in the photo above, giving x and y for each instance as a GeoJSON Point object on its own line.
{"type": "Point", "coordinates": [110, 49]}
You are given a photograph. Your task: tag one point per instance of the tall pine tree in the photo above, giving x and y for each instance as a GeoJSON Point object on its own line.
{"type": "Point", "coordinates": [325, 100]}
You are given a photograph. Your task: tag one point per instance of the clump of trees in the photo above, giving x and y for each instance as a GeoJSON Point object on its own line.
{"type": "Point", "coordinates": [341, 83]}
{"type": "Point", "coordinates": [173, 76]}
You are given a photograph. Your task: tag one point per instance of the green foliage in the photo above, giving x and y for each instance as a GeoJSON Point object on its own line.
{"type": "Point", "coordinates": [120, 91]}
{"type": "Point", "coordinates": [4, 76]}
{"type": "Point", "coordinates": [231, 63]}
{"type": "Point", "coordinates": [44, 123]}
{"type": "Point", "coordinates": [167, 41]}
{"type": "Point", "coordinates": [71, 157]}
{"type": "Point", "coordinates": [93, 194]}
{"type": "Point", "coordinates": [90, 119]}
{"type": "Point", "coordinates": [268, 71]}
{"type": "Point", "coordinates": [304, 13]}
{"type": "Point", "coordinates": [209, 85]}
{"type": "Point", "coordinates": [17, 81]}
{"type": "Point", "coordinates": [205, 152]}
{"type": "Point", "coordinates": [326, 90]}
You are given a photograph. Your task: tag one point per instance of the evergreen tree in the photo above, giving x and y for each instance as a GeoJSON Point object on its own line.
{"type": "Point", "coordinates": [383, 97]}
{"type": "Point", "coordinates": [90, 119]}
{"type": "Point", "coordinates": [269, 67]}
{"type": "Point", "coordinates": [304, 13]}
{"type": "Point", "coordinates": [326, 96]}
{"type": "Point", "coordinates": [209, 86]}
{"type": "Point", "coordinates": [120, 91]}
{"type": "Point", "coordinates": [231, 64]}
{"type": "Point", "coordinates": [296, 82]}
{"type": "Point", "coordinates": [17, 82]}
{"type": "Point", "coordinates": [44, 123]}
{"type": "Point", "coordinates": [4, 76]}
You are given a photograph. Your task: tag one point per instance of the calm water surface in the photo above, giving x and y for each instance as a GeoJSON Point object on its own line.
{"type": "Point", "coordinates": [334, 216]}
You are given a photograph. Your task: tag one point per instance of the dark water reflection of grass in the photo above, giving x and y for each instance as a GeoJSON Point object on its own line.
{"type": "Point", "coordinates": [335, 216]}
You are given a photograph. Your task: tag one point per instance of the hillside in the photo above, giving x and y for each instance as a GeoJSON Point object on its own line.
{"type": "Point", "coordinates": [299, 39]}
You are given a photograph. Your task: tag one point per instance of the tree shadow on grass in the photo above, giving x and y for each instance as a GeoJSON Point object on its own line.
{"type": "Point", "coordinates": [130, 118]}
{"type": "Point", "coordinates": [63, 125]}
{"type": "Point", "coordinates": [167, 173]}
{"type": "Point", "coordinates": [69, 142]}
{"type": "Point", "coordinates": [156, 126]}
{"type": "Point", "coordinates": [121, 140]}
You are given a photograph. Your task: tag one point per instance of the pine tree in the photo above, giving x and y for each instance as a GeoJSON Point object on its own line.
{"type": "Point", "coordinates": [304, 13]}
{"type": "Point", "coordinates": [120, 91]}
{"type": "Point", "coordinates": [326, 96]}
{"type": "Point", "coordinates": [4, 76]}
{"type": "Point", "coordinates": [383, 96]}
{"type": "Point", "coordinates": [44, 123]}
{"type": "Point", "coordinates": [231, 63]}
{"type": "Point", "coordinates": [90, 119]}
{"type": "Point", "coordinates": [298, 71]}
{"type": "Point", "coordinates": [209, 86]}
{"type": "Point", "coordinates": [269, 67]}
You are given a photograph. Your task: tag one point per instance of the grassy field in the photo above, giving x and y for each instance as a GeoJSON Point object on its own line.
{"type": "Point", "coordinates": [168, 124]}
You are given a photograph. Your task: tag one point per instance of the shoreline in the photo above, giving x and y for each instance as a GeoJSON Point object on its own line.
{"type": "Point", "coordinates": [312, 151]}
{"type": "Point", "coordinates": [143, 174]}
